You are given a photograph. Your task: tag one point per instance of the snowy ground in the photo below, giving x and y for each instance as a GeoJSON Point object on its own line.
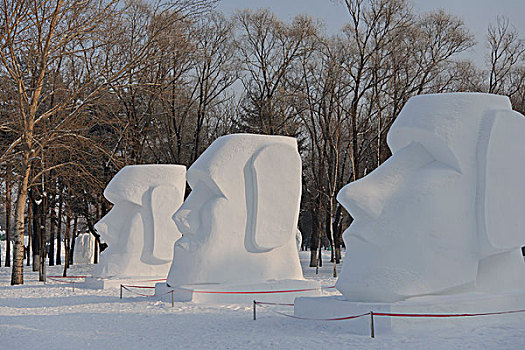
{"type": "Point", "coordinates": [53, 316]}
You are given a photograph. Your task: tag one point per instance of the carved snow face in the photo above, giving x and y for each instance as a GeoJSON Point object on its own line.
{"type": "Point", "coordinates": [239, 222]}
{"type": "Point", "coordinates": [115, 227]}
{"type": "Point", "coordinates": [419, 219]}
{"type": "Point", "coordinates": [84, 248]}
{"type": "Point", "coordinates": [138, 229]}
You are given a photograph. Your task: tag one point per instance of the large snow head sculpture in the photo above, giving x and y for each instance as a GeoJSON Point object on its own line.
{"type": "Point", "coordinates": [239, 222]}
{"type": "Point", "coordinates": [139, 230]}
{"type": "Point", "coordinates": [84, 251]}
{"type": "Point", "coordinates": [445, 213]}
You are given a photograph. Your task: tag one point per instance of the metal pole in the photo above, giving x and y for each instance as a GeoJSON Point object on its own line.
{"type": "Point", "coordinates": [73, 286]}
{"type": "Point", "coordinates": [254, 310]}
{"type": "Point", "coordinates": [172, 299]}
{"type": "Point", "coordinates": [372, 333]}
{"type": "Point", "coordinates": [121, 291]}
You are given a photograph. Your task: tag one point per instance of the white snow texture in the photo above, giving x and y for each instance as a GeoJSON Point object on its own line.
{"type": "Point", "coordinates": [239, 223]}
{"type": "Point", "coordinates": [139, 229]}
{"type": "Point", "coordinates": [84, 249]}
{"type": "Point", "coordinates": [444, 214]}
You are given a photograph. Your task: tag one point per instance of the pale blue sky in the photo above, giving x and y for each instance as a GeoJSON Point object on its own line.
{"type": "Point", "coordinates": [477, 14]}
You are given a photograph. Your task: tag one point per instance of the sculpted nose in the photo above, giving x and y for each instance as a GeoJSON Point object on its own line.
{"type": "Point", "coordinates": [102, 229]}
{"type": "Point", "coordinates": [362, 199]}
{"type": "Point", "coordinates": [368, 196]}
{"type": "Point", "coordinates": [186, 221]}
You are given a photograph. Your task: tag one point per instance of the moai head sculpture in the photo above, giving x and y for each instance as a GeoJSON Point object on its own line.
{"type": "Point", "coordinates": [139, 229]}
{"type": "Point", "coordinates": [84, 248]}
{"type": "Point", "coordinates": [445, 213]}
{"type": "Point", "coordinates": [239, 222]}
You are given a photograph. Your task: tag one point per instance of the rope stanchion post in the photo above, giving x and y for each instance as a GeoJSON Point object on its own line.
{"type": "Point", "coordinates": [372, 331]}
{"type": "Point", "coordinates": [172, 298]}
{"type": "Point", "coordinates": [73, 286]}
{"type": "Point", "coordinates": [254, 310]}
{"type": "Point", "coordinates": [121, 291]}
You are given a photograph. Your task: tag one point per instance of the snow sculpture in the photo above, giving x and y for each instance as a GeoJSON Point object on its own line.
{"type": "Point", "coordinates": [239, 223]}
{"type": "Point", "coordinates": [84, 249]}
{"type": "Point", "coordinates": [445, 213]}
{"type": "Point", "coordinates": [139, 229]}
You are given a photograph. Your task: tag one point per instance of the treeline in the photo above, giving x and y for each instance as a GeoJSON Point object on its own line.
{"type": "Point", "coordinates": [89, 87]}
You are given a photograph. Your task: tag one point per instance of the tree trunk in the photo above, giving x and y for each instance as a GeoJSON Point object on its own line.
{"type": "Point", "coordinates": [43, 248]}
{"type": "Point", "coordinates": [59, 228]}
{"type": "Point", "coordinates": [8, 215]}
{"type": "Point", "coordinates": [17, 272]}
{"type": "Point", "coordinates": [355, 151]}
{"type": "Point", "coordinates": [29, 237]}
{"type": "Point", "coordinates": [34, 213]}
{"type": "Point", "coordinates": [73, 239]}
{"type": "Point", "coordinates": [97, 250]}
{"type": "Point", "coordinates": [52, 218]}
{"type": "Point", "coordinates": [67, 239]}
{"type": "Point", "coordinates": [328, 228]}
{"type": "Point", "coordinates": [319, 251]}
{"type": "Point", "coordinates": [52, 235]}
{"type": "Point", "coordinates": [314, 240]}
{"type": "Point", "coordinates": [337, 234]}
{"type": "Point", "coordinates": [331, 221]}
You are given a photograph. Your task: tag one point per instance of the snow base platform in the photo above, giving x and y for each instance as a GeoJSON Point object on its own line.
{"type": "Point", "coordinates": [467, 303]}
{"type": "Point", "coordinates": [282, 291]}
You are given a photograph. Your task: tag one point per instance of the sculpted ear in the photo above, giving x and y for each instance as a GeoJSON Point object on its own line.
{"type": "Point", "coordinates": [165, 200]}
{"type": "Point", "coordinates": [273, 194]}
{"type": "Point", "coordinates": [503, 205]}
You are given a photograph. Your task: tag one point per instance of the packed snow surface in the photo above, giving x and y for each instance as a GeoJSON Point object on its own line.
{"type": "Point", "coordinates": [53, 316]}
{"type": "Point", "coordinates": [444, 214]}
{"type": "Point", "coordinates": [139, 229]}
{"type": "Point", "coordinates": [239, 222]}
{"type": "Point", "coordinates": [84, 249]}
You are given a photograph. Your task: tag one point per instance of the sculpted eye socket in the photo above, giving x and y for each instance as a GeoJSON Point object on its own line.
{"type": "Point", "coordinates": [400, 137]}
{"type": "Point", "coordinates": [198, 178]}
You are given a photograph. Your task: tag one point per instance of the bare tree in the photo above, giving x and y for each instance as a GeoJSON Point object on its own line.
{"type": "Point", "coordinates": [8, 214]}
{"type": "Point", "coordinates": [268, 49]}
{"type": "Point", "coordinates": [36, 36]}
{"type": "Point", "coordinates": [216, 69]}
{"type": "Point", "coordinates": [374, 24]}
{"type": "Point", "coordinates": [506, 51]}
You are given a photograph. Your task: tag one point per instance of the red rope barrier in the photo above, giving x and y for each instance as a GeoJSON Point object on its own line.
{"type": "Point", "coordinates": [159, 280]}
{"type": "Point", "coordinates": [322, 319]}
{"type": "Point", "coordinates": [145, 295]}
{"type": "Point", "coordinates": [67, 276]}
{"type": "Point", "coordinates": [144, 287]}
{"type": "Point", "coordinates": [264, 303]}
{"type": "Point", "coordinates": [387, 314]}
{"type": "Point", "coordinates": [248, 292]}
{"type": "Point", "coordinates": [446, 315]}
{"type": "Point", "coordinates": [59, 281]}
{"type": "Point", "coordinates": [220, 292]}
{"type": "Point", "coordinates": [132, 291]}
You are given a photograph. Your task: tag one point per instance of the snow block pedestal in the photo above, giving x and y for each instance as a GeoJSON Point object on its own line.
{"type": "Point", "coordinates": [281, 291]}
{"type": "Point", "coordinates": [467, 303]}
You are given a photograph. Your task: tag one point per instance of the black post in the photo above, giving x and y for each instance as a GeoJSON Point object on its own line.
{"type": "Point", "coordinates": [254, 310]}
{"type": "Point", "coordinates": [121, 291]}
{"type": "Point", "coordinates": [372, 333]}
